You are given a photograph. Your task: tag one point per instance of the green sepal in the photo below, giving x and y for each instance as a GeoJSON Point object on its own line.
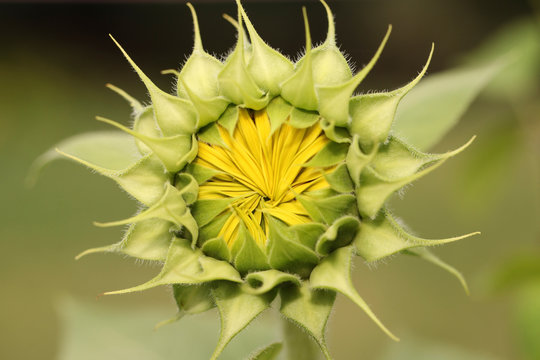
{"type": "Point", "coordinates": [309, 233]}
{"type": "Point", "coordinates": [309, 309]}
{"type": "Point", "coordinates": [229, 118]}
{"type": "Point", "coordinates": [299, 89]}
{"type": "Point", "coordinates": [236, 83]}
{"type": "Point", "coordinates": [334, 99]}
{"type": "Point", "coordinates": [267, 66]}
{"type": "Point", "coordinates": [372, 114]}
{"type": "Point", "coordinates": [193, 299]}
{"type": "Point", "coordinates": [173, 115]}
{"type": "Point", "coordinates": [331, 154]}
{"type": "Point", "coordinates": [201, 173]}
{"type": "Point", "coordinates": [301, 119]}
{"type": "Point", "coordinates": [148, 239]}
{"type": "Point", "coordinates": [236, 309]}
{"type": "Point", "coordinates": [357, 160]}
{"type": "Point", "coordinates": [333, 273]}
{"type": "Point", "coordinates": [335, 133]}
{"type": "Point", "coordinates": [145, 124]}
{"type": "Point", "coordinates": [187, 266]}
{"type": "Point", "coordinates": [171, 207]}
{"type": "Point", "coordinates": [339, 179]}
{"type": "Point", "coordinates": [383, 236]}
{"type": "Point", "coordinates": [339, 234]}
{"type": "Point", "coordinates": [286, 253]}
{"type": "Point", "coordinates": [263, 281]}
{"type": "Point", "coordinates": [188, 187]}
{"type": "Point", "coordinates": [212, 229]}
{"type": "Point", "coordinates": [399, 166]}
{"type": "Point", "coordinates": [208, 110]}
{"type": "Point", "coordinates": [201, 69]}
{"type": "Point", "coordinates": [173, 151]}
{"type": "Point", "coordinates": [205, 210]}
{"type": "Point", "coordinates": [270, 352]}
{"type": "Point", "coordinates": [248, 255]}
{"type": "Point", "coordinates": [427, 255]}
{"type": "Point", "coordinates": [395, 159]}
{"type": "Point", "coordinates": [210, 134]}
{"type": "Point", "coordinates": [217, 248]}
{"type": "Point", "coordinates": [278, 111]}
{"type": "Point", "coordinates": [328, 209]}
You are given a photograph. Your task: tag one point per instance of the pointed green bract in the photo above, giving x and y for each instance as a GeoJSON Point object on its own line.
{"type": "Point", "coordinates": [236, 83]}
{"type": "Point", "coordinates": [333, 273]}
{"type": "Point", "coordinates": [340, 234]}
{"type": "Point", "coordinates": [372, 114]}
{"type": "Point", "coordinates": [237, 309]}
{"type": "Point", "coordinates": [383, 237]}
{"type": "Point", "coordinates": [173, 114]}
{"type": "Point", "coordinates": [193, 299]}
{"type": "Point", "coordinates": [309, 309]}
{"type": "Point", "coordinates": [249, 256]}
{"type": "Point", "coordinates": [299, 89]}
{"type": "Point", "coordinates": [334, 99]}
{"type": "Point", "coordinates": [427, 255]}
{"type": "Point", "coordinates": [267, 66]}
{"type": "Point", "coordinates": [187, 266]}
{"type": "Point", "coordinates": [399, 165]}
{"type": "Point", "coordinates": [261, 282]}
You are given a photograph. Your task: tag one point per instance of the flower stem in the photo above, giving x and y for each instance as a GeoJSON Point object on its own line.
{"type": "Point", "coordinates": [298, 344]}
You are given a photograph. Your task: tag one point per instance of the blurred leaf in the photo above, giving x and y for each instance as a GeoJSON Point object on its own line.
{"type": "Point", "coordinates": [519, 271]}
{"type": "Point", "coordinates": [268, 353]}
{"type": "Point", "coordinates": [436, 104]}
{"type": "Point", "coordinates": [521, 41]}
{"type": "Point", "coordinates": [484, 173]}
{"type": "Point", "coordinates": [99, 331]}
{"type": "Point", "coordinates": [422, 349]}
{"type": "Point", "coordinates": [112, 150]}
{"type": "Point", "coordinates": [528, 320]}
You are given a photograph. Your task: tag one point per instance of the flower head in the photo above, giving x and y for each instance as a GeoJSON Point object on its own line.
{"type": "Point", "coordinates": [261, 178]}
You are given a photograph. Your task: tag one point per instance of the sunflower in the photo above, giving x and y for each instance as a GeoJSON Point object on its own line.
{"type": "Point", "coordinates": [261, 178]}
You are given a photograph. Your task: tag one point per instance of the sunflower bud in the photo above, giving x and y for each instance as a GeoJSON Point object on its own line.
{"type": "Point", "coordinates": [261, 178]}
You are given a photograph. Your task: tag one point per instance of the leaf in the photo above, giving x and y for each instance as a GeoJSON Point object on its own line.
{"type": "Point", "coordinates": [111, 150]}
{"type": "Point", "coordinates": [333, 273]}
{"type": "Point", "coordinates": [90, 330]}
{"type": "Point", "coordinates": [339, 179]}
{"type": "Point", "coordinates": [271, 352]}
{"type": "Point", "coordinates": [328, 209]}
{"type": "Point", "coordinates": [193, 299]}
{"type": "Point", "coordinates": [383, 236]}
{"type": "Point", "coordinates": [309, 309]}
{"type": "Point", "coordinates": [435, 105]}
{"type": "Point", "coordinates": [249, 256]}
{"type": "Point", "coordinates": [187, 266]}
{"type": "Point", "coordinates": [236, 309]}
{"type": "Point", "coordinates": [527, 319]}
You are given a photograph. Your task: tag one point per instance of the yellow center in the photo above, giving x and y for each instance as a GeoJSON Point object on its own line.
{"type": "Point", "coordinates": [263, 171]}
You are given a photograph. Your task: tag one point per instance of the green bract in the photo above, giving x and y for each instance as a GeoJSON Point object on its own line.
{"type": "Point", "coordinates": [304, 264]}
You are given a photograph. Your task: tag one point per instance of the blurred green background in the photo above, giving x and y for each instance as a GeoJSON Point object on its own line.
{"type": "Point", "coordinates": [54, 62]}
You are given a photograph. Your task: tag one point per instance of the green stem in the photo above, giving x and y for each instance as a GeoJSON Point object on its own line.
{"type": "Point", "coordinates": [298, 344]}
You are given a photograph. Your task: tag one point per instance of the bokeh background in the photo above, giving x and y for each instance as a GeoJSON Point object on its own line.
{"type": "Point", "coordinates": [54, 62]}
